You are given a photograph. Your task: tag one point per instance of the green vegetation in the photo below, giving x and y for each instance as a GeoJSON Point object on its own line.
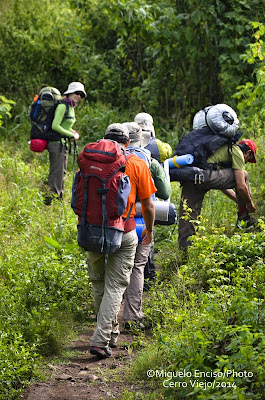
{"type": "Point", "coordinates": [167, 58]}
{"type": "Point", "coordinates": [43, 277]}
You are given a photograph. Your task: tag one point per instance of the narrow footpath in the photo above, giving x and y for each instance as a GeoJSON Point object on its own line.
{"type": "Point", "coordinates": [84, 377]}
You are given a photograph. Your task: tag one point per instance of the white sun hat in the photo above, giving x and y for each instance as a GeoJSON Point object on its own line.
{"type": "Point", "coordinates": [145, 120]}
{"type": "Point", "coordinates": [75, 87]}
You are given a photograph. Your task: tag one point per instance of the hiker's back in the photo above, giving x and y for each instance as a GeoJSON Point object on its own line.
{"type": "Point", "coordinates": [201, 143]}
{"type": "Point", "coordinates": [41, 112]}
{"type": "Point", "coordinates": [100, 193]}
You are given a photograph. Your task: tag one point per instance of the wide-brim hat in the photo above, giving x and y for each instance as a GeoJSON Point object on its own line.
{"type": "Point", "coordinates": [75, 87]}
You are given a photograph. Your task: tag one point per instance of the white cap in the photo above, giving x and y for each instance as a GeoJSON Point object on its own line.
{"type": "Point", "coordinates": [144, 118]}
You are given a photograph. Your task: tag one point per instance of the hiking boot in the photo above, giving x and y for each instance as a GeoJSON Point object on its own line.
{"type": "Point", "coordinates": [113, 342]}
{"type": "Point", "coordinates": [101, 352]}
{"type": "Point", "coordinates": [132, 326]}
{"type": "Point", "coordinates": [48, 200]}
{"type": "Point", "coordinates": [246, 222]}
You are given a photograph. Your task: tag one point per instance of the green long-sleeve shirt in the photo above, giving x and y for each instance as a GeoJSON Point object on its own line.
{"type": "Point", "coordinates": [64, 125]}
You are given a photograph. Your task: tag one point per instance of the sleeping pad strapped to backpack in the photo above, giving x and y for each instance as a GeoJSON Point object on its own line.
{"type": "Point", "coordinates": [202, 143]}
{"type": "Point", "coordinates": [214, 127]}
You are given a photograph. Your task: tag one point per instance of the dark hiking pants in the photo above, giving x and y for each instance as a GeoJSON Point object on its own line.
{"type": "Point", "coordinates": [192, 197]}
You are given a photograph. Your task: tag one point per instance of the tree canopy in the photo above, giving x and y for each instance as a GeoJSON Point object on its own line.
{"type": "Point", "coordinates": [166, 57]}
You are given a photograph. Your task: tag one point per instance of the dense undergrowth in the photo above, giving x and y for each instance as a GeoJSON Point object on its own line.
{"type": "Point", "coordinates": [207, 313]}
{"type": "Point", "coordinates": [43, 277]}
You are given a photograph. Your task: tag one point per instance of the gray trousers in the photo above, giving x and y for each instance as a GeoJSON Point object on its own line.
{"type": "Point", "coordinates": [132, 307]}
{"type": "Point", "coordinates": [109, 289]}
{"type": "Point", "coordinates": [58, 155]}
{"type": "Point", "coordinates": [192, 196]}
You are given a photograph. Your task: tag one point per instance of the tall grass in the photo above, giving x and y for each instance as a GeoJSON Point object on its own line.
{"type": "Point", "coordinates": [43, 277]}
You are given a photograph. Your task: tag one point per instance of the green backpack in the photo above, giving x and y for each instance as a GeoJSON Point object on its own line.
{"type": "Point", "coordinates": [41, 112]}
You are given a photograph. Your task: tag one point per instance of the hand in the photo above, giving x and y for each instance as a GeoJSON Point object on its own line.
{"type": "Point", "coordinates": [147, 236]}
{"type": "Point", "coordinates": [76, 135]}
{"type": "Point", "coordinates": [251, 207]}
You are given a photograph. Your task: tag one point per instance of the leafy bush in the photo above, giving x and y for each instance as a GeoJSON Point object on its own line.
{"type": "Point", "coordinates": [16, 364]}
{"type": "Point", "coordinates": [43, 275]}
{"type": "Point", "coordinates": [209, 321]}
{"type": "Point", "coordinates": [251, 94]}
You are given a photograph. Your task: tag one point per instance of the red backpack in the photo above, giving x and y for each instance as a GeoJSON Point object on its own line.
{"type": "Point", "coordinates": [99, 196]}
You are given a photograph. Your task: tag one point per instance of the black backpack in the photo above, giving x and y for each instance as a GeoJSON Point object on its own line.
{"type": "Point", "coordinates": [203, 143]}
{"type": "Point", "coordinates": [41, 114]}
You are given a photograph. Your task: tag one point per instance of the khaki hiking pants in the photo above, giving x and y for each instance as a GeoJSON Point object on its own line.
{"type": "Point", "coordinates": [132, 310]}
{"type": "Point", "coordinates": [109, 289]}
{"type": "Point", "coordinates": [58, 155]}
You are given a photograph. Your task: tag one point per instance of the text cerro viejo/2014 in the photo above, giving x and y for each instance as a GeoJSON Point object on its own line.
{"type": "Point", "coordinates": [193, 382]}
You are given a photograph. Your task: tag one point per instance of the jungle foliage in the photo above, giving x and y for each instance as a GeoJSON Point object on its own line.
{"type": "Point", "coordinates": [166, 57]}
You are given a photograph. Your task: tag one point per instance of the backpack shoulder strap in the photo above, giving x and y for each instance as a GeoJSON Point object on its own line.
{"type": "Point", "coordinates": [142, 153]}
{"type": "Point", "coordinates": [66, 115]}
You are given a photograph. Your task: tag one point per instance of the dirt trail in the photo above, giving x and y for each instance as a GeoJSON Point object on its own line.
{"type": "Point", "coordinates": [84, 377]}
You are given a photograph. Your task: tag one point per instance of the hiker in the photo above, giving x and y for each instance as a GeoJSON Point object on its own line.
{"type": "Point", "coordinates": [219, 176]}
{"type": "Point", "coordinates": [58, 147]}
{"type": "Point", "coordinates": [110, 286]}
{"type": "Point", "coordinates": [159, 151]}
{"type": "Point", "coordinates": [132, 311]}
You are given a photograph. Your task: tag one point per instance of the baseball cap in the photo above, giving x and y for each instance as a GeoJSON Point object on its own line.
{"type": "Point", "coordinates": [253, 147]}
{"type": "Point", "coordinates": [118, 130]}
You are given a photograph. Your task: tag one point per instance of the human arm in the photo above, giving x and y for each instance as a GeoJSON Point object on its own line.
{"type": "Point", "coordinates": [243, 191]}
{"type": "Point", "coordinates": [148, 211]}
{"type": "Point", "coordinates": [230, 194]}
{"type": "Point", "coordinates": [64, 125]}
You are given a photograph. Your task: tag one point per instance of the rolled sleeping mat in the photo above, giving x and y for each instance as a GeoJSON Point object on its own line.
{"type": "Point", "coordinates": [140, 225]}
{"type": "Point", "coordinates": [180, 161]}
{"type": "Point", "coordinates": [161, 210]}
{"type": "Point", "coordinates": [187, 174]}
{"type": "Point", "coordinates": [165, 212]}
{"type": "Point", "coordinates": [222, 119]}
{"type": "Point", "coordinates": [172, 216]}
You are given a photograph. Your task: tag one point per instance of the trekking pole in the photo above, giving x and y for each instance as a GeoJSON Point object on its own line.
{"type": "Point", "coordinates": [74, 157]}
